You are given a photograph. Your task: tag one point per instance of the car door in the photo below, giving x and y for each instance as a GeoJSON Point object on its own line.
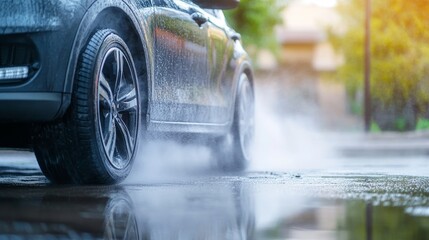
{"type": "Point", "coordinates": [221, 49]}
{"type": "Point", "coordinates": [181, 78]}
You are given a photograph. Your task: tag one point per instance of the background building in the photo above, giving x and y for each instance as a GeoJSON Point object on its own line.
{"type": "Point", "coordinates": [305, 65]}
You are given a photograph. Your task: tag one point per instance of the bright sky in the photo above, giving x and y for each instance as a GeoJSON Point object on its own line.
{"type": "Point", "coordinates": [323, 3]}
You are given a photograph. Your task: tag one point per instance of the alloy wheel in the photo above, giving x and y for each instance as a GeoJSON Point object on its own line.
{"type": "Point", "coordinates": [118, 107]}
{"type": "Point", "coordinates": [246, 121]}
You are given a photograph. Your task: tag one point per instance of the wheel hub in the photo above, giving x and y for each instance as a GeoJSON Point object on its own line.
{"type": "Point", "coordinates": [114, 111]}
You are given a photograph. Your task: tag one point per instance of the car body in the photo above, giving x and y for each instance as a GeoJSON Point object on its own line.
{"type": "Point", "coordinates": [185, 62]}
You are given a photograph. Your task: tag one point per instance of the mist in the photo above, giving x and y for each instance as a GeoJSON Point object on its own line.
{"type": "Point", "coordinates": [288, 137]}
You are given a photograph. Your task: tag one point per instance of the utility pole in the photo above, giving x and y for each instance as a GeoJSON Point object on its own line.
{"type": "Point", "coordinates": [367, 83]}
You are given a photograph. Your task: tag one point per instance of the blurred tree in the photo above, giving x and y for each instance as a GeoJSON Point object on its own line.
{"type": "Point", "coordinates": [256, 21]}
{"type": "Point", "coordinates": [400, 58]}
{"type": "Point", "coordinates": [388, 222]}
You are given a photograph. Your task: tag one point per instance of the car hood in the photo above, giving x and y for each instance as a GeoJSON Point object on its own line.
{"type": "Point", "coordinates": [21, 16]}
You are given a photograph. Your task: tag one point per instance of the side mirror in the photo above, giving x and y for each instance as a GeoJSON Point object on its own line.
{"type": "Point", "coordinates": [217, 4]}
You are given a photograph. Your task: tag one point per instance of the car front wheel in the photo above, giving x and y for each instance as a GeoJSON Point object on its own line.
{"type": "Point", "coordinates": [97, 139]}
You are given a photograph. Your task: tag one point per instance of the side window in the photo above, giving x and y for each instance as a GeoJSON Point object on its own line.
{"type": "Point", "coordinates": [210, 11]}
{"type": "Point", "coordinates": [219, 15]}
{"type": "Point", "coordinates": [190, 2]}
{"type": "Point", "coordinates": [183, 4]}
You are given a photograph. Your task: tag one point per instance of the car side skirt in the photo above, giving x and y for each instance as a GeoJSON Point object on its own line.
{"type": "Point", "coordinates": [188, 127]}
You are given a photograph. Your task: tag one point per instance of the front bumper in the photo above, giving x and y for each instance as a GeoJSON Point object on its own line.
{"type": "Point", "coordinates": [29, 106]}
{"type": "Point", "coordinates": [44, 31]}
{"type": "Point", "coordinates": [39, 96]}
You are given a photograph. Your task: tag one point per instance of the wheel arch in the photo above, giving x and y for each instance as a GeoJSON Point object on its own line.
{"type": "Point", "coordinates": [122, 18]}
{"type": "Point", "coordinates": [245, 67]}
{"type": "Point", "coordinates": [249, 72]}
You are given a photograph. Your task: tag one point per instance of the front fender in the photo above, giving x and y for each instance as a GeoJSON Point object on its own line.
{"type": "Point", "coordinates": [88, 25]}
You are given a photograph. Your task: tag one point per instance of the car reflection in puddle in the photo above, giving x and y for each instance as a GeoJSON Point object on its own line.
{"type": "Point", "coordinates": [254, 205]}
{"type": "Point", "coordinates": [197, 212]}
{"type": "Point", "coordinates": [66, 213]}
{"type": "Point", "coordinates": [170, 212]}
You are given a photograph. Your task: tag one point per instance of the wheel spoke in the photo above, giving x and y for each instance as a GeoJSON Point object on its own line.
{"type": "Point", "coordinates": [111, 140]}
{"type": "Point", "coordinates": [119, 70]}
{"type": "Point", "coordinates": [104, 89]}
{"type": "Point", "coordinates": [127, 226]}
{"type": "Point", "coordinates": [127, 101]}
{"type": "Point", "coordinates": [112, 226]}
{"type": "Point", "coordinates": [105, 110]}
{"type": "Point", "coordinates": [128, 139]}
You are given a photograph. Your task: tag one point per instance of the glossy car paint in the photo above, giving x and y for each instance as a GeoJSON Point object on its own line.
{"type": "Point", "coordinates": [188, 70]}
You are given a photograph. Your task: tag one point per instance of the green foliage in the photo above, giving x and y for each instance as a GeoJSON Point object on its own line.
{"type": "Point", "coordinates": [400, 124]}
{"type": "Point", "coordinates": [256, 21]}
{"type": "Point", "coordinates": [399, 52]}
{"type": "Point", "coordinates": [422, 124]}
{"type": "Point", "coordinates": [388, 222]}
{"type": "Point", "coordinates": [375, 128]}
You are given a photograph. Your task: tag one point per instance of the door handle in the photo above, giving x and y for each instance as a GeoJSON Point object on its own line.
{"type": "Point", "coordinates": [235, 36]}
{"type": "Point", "coordinates": [199, 18]}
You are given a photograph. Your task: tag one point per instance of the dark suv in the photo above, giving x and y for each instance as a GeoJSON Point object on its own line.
{"type": "Point", "coordinates": [81, 81]}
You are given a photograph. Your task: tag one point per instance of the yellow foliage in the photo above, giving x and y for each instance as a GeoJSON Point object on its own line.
{"type": "Point", "coordinates": [399, 50]}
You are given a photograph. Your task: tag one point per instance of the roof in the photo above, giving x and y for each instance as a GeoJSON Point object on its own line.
{"type": "Point", "coordinates": [296, 36]}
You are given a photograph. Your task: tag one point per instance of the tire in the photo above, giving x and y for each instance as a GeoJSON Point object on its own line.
{"type": "Point", "coordinates": [233, 151]}
{"type": "Point", "coordinates": [120, 219]}
{"type": "Point", "coordinates": [97, 139]}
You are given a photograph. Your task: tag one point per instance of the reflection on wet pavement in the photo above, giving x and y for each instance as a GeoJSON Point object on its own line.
{"type": "Point", "coordinates": [354, 201]}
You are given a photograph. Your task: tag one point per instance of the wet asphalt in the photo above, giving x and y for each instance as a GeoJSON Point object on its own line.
{"type": "Point", "coordinates": [358, 198]}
